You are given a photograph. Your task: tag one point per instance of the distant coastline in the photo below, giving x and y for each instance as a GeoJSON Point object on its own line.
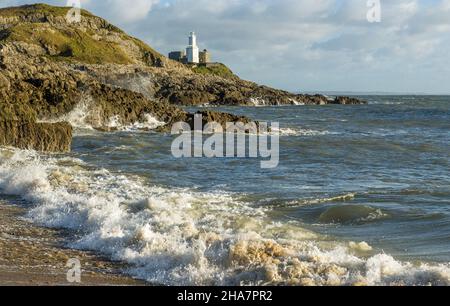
{"type": "Point", "coordinates": [371, 93]}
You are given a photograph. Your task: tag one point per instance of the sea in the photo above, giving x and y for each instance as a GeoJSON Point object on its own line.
{"type": "Point", "coordinates": [361, 196]}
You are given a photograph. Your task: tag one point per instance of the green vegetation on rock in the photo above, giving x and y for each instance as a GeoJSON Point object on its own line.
{"type": "Point", "coordinates": [33, 8]}
{"type": "Point", "coordinates": [93, 41]}
{"type": "Point", "coordinates": [70, 44]}
{"type": "Point", "coordinates": [217, 69]}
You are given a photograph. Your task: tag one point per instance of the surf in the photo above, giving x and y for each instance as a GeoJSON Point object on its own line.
{"type": "Point", "coordinates": [178, 236]}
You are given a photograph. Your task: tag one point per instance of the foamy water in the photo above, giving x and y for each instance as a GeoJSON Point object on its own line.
{"type": "Point", "coordinates": [288, 131]}
{"type": "Point", "coordinates": [149, 122]}
{"type": "Point", "coordinates": [85, 117]}
{"type": "Point", "coordinates": [180, 236]}
{"type": "Point", "coordinates": [360, 197]}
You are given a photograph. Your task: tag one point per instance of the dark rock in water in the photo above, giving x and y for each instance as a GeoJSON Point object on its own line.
{"type": "Point", "coordinates": [347, 100]}
{"type": "Point", "coordinates": [47, 137]}
{"type": "Point", "coordinates": [218, 117]}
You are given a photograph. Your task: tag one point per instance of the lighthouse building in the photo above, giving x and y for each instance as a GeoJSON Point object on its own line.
{"type": "Point", "coordinates": [192, 51]}
{"type": "Point", "coordinates": [192, 55]}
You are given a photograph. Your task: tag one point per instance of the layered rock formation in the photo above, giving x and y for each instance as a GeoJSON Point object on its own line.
{"type": "Point", "coordinates": [48, 67]}
{"type": "Point", "coordinates": [182, 86]}
{"type": "Point", "coordinates": [51, 137]}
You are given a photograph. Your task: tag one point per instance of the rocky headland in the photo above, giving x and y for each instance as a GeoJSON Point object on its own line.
{"type": "Point", "coordinates": [48, 67]}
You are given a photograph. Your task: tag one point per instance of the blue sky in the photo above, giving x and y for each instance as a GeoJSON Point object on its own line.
{"type": "Point", "coordinates": [301, 45]}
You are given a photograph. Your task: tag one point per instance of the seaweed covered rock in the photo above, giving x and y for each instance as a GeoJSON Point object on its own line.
{"type": "Point", "coordinates": [47, 137]}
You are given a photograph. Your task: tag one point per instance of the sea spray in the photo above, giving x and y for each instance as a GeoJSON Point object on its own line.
{"type": "Point", "coordinates": [179, 236]}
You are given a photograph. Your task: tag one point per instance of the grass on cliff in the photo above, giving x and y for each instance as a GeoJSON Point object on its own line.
{"type": "Point", "coordinates": [145, 49]}
{"type": "Point", "coordinates": [34, 8]}
{"type": "Point", "coordinates": [218, 69]}
{"type": "Point", "coordinates": [68, 44]}
{"type": "Point", "coordinates": [44, 10]}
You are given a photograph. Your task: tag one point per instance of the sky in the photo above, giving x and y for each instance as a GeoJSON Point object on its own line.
{"type": "Point", "coordinates": [300, 45]}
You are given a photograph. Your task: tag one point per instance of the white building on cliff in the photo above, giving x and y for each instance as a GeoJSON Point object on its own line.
{"type": "Point", "coordinates": [192, 51]}
{"type": "Point", "coordinates": [192, 55]}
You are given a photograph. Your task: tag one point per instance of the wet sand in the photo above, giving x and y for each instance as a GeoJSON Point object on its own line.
{"type": "Point", "coordinates": [35, 256]}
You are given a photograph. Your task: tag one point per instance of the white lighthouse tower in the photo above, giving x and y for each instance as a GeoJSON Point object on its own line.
{"type": "Point", "coordinates": [192, 51]}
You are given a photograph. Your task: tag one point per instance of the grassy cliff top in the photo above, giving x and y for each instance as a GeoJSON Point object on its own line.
{"type": "Point", "coordinates": [93, 42]}
{"type": "Point", "coordinates": [217, 69]}
{"type": "Point", "coordinates": [25, 10]}
{"type": "Point", "coordinates": [69, 44]}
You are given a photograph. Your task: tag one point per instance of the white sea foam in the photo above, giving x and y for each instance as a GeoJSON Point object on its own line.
{"type": "Point", "coordinates": [314, 201]}
{"type": "Point", "coordinates": [179, 236]}
{"type": "Point", "coordinates": [149, 123]}
{"type": "Point", "coordinates": [286, 131]}
{"type": "Point", "coordinates": [256, 101]}
{"type": "Point", "coordinates": [114, 122]}
{"type": "Point", "coordinates": [361, 247]}
{"type": "Point", "coordinates": [295, 102]}
{"type": "Point", "coordinates": [84, 117]}
{"type": "Point", "coordinates": [81, 117]}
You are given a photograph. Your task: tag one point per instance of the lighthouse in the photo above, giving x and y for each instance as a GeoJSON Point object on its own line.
{"type": "Point", "coordinates": [192, 51]}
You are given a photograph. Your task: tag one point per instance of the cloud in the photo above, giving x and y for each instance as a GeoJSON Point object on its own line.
{"type": "Point", "coordinates": [123, 11]}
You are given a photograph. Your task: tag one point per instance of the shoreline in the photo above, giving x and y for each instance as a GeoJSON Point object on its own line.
{"type": "Point", "coordinates": [33, 255]}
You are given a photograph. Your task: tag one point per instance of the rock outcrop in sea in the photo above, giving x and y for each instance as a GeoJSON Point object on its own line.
{"type": "Point", "coordinates": [48, 67]}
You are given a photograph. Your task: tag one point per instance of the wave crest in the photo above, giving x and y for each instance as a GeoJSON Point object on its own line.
{"type": "Point", "coordinates": [183, 237]}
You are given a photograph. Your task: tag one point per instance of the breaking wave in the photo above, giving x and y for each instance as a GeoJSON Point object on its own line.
{"type": "Point", "coordinates": [183, 237]}
{"type": "Point", "coordinates": [313, 201]}
{"type": "Point", "coordinates": [148, 123]}
{"type": "Point", "coordinates": [80, 117]}
{"type": "Point", "coordinates": [256, 101]}
{"type": "Point", "coordinates": [84, 117]}
{"type": "Point", "coordinates": [299, 132]}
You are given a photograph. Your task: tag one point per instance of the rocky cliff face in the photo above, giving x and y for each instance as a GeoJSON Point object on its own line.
{"type": "Point", "coordinates": [48, 67]}
{"type": "Point", "coordinates": [182, 86]}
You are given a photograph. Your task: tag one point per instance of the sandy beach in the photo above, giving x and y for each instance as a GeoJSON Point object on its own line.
{"type": "Point", "coordinates": [31, 255]}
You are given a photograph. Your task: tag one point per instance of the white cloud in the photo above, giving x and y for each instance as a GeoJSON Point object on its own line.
{"type": "Point", "coordinates": [121, 10]}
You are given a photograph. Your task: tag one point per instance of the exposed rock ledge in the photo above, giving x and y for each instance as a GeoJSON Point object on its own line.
{"type": "Point", "coordinates": [47, 137]}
